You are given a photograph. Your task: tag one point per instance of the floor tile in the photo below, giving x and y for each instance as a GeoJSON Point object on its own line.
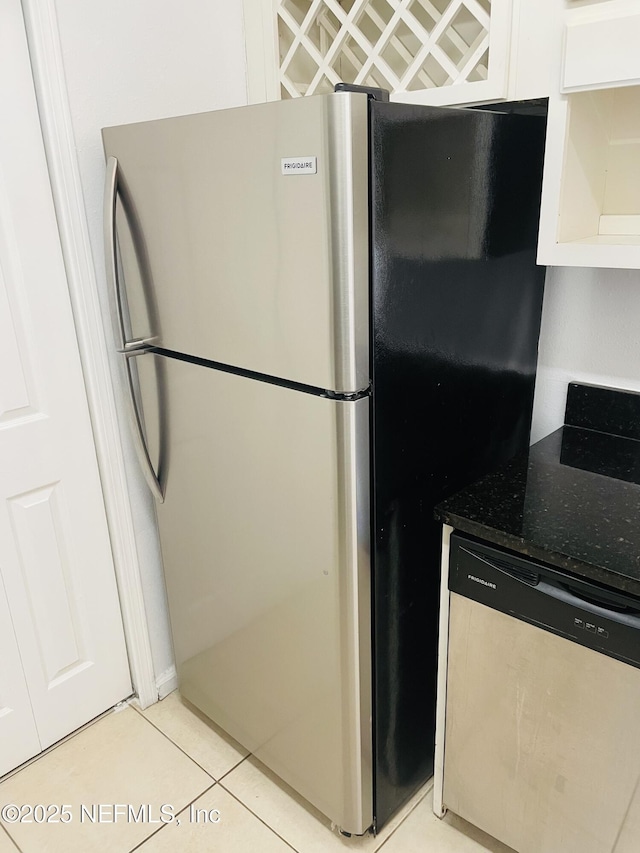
{"type": "Point", "coordinates": [293, 818]}
{"type": "Point", "coordinates": [237, 830]}
{"type": "Point", "coordinates": [121, 759]}
{"type": "Point", "coordinates": [423, 831]}
{"type": "Point", "coordinates": [207, 745]}
{"type": "Point", "coordinates": [6, 844]}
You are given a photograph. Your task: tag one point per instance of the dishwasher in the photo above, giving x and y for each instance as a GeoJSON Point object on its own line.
{"type": "Point", "coordinates": [542, 721]}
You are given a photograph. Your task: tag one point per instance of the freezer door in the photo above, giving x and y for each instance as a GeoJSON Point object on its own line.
{"type": "Point", "coordinates": [243, 236]}
{"type": "Point", "coordinates": [265, 543]}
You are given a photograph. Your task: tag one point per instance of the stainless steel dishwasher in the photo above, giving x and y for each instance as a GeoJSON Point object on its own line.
{"type": "Point", "coordinates": [542, 737]}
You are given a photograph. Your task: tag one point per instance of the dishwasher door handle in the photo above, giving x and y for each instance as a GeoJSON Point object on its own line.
{"type": "Point", "coordinates": [484, 568]}
{"type": "Point", "coordinates": [568, 594]}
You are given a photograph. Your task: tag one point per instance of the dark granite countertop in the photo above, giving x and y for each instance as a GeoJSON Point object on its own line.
{"type": "Point", "coordinates": [572, 501]}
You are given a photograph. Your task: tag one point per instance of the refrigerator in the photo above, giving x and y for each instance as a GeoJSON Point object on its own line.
{"type": "Point", "coordinates": [328, 310]}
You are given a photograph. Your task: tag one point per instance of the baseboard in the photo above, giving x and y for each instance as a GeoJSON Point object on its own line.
{"type": "Point", "coordinates": [167, 682]}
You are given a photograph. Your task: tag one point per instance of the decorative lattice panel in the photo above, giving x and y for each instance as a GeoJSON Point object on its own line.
{"type": "Point", "coordinates": [401, 45]}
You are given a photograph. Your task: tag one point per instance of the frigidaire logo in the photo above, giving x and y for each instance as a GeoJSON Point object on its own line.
{"type": "Point", "coordinates": [305, 164]}
{"type": "Point", "coordinates": [299, 165]}
{"type": "Point", "coordinates": [483, 582]}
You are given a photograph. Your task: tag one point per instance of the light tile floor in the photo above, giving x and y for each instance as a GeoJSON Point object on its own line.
{"type": "Point", "coordinates": [223, 800]}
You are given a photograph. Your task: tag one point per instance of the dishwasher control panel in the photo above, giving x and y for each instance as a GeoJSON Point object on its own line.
{"type": "Point", "coordinates": [578, 622]}
{"type": "Point", "coordinates": [586, 613]}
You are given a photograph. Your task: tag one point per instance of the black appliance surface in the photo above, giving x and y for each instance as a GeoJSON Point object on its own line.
{"type": "Point", "coordinates": [573, 499]}
{"type": "Point", "coordinates": [456, 305]}
{"type": "Point", "coordinates": [580, 611]}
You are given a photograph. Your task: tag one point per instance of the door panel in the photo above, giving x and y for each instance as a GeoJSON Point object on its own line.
{"type": "Point", "coordinates": [18, 734]}
{"type": "Point", "coordinates": [16, 396]}
{"type": "Point", "coordinates": [248, 266]}
{"type": "Point", "coordinates": [542, 746]}
{"type": "Point", "coordinates": [55, 557]}
{"type": "Point", "coordinates": [265, 542]}
{"type": "Point", "coordinates": [41, 543]}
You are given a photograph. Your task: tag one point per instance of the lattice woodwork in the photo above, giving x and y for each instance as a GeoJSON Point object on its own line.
{"type": "Point", "coordinates": [401, 45]}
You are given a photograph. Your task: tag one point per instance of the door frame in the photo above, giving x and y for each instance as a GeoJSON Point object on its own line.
{"type": "Point", "coordinates": [64, 173]}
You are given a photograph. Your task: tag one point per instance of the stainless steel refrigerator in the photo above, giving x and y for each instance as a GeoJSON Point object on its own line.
{"type": "Point", "coordinates": [329, 310]}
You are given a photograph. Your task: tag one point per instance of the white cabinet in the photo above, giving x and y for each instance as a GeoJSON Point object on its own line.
{"type": "Point", "coordinates": [591, 192]}
{"type": "Point", "coordinates": [582, 54]}
{"type": "Point", "coordinates": [601, 45]}
{"type": "Point", "coordinates": [422, 51]}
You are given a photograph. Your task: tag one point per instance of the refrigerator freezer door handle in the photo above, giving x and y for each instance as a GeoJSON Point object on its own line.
{"type": "Point", "coordinates": [111, 260]}
{"type": "Point", "coordinates": [137, 430]}
{"type": "Point", "coordinates": [138, 345]}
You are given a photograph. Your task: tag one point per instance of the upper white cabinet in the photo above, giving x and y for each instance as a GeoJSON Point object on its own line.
{"type": "Point", "coordinates": [422, 51]}
{"type": "Point", "coordinates": [582, 54]}
{"type": "Point", "coordinates": [602, 45]}
{"type": "Point", "coordinates": [417, 49]}
{"type": "Point", "coordinates": [591, 192]}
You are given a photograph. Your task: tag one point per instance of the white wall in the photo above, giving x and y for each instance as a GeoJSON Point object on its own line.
{"type": "Point", "coordinates": [590, 333]}
{"type": "Point", "coordinates": [131, 60]}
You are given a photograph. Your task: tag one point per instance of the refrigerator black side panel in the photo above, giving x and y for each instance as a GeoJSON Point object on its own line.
{"type": "Point", "coordinates": [456, 306]}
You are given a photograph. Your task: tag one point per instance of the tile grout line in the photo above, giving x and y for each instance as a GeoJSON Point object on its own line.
{"type": "Point", "coordinates": [244, 805]}
{"type": "Point", "coordinates": [376, 849]}
{"type": "Point", "coordinates": [34, 758]}
{"type": "Point", "coordinates": [160, 828]}
{"type": "Point", "coordinates": [406, 817]}
{"type": "Point", "coordinates": [10, 837]}
{"type": "Point", "coordinates": [216, 782]}
{"type": "Point", "coordinates": [219, 782]}
{"type": "Point", "coordinates": [191, 758]}
{"type": "Point", "coordinates": [235, 766]}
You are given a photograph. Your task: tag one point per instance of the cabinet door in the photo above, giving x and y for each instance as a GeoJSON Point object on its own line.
{"type": "Point", "coordinates": [591, 191]}
{"type": "Point", "coordinates": [422, 51]}
{"type": "Point", "coordinates": [601, 46]}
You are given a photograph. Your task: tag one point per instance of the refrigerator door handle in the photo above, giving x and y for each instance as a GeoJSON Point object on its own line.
{"type": "Point", "coordinates": [137, 430]}
{"type": "Point", "coordinates": [111, 261]}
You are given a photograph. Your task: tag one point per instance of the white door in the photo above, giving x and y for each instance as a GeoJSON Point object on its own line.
{"type": "Point", "coordinates": [62, 652]}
